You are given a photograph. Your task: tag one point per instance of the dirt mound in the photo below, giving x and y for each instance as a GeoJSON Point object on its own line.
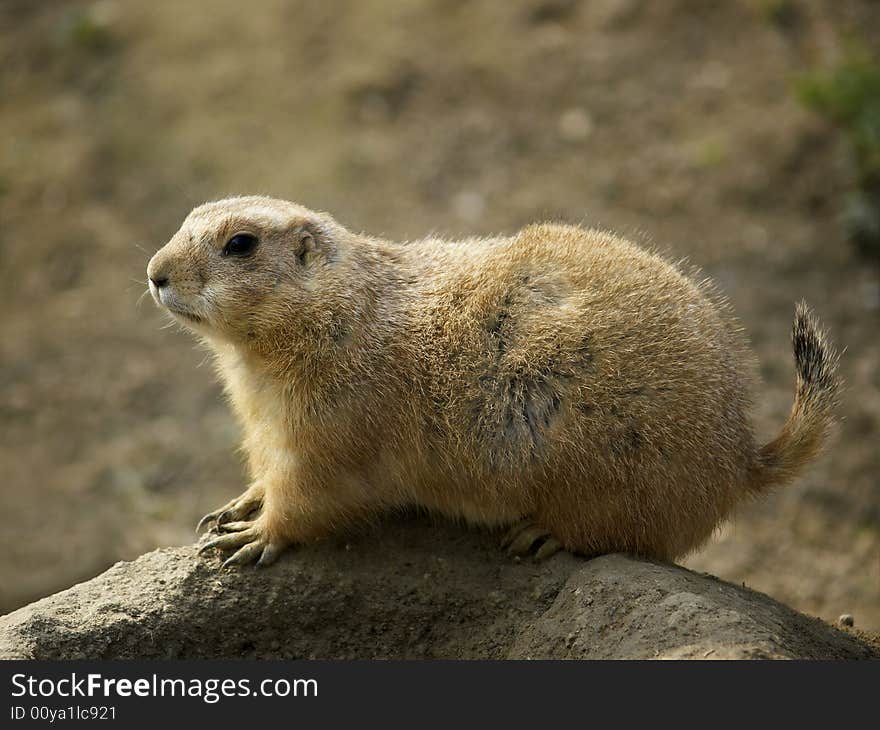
{"type": "Point", "coordinates": [413, 591]}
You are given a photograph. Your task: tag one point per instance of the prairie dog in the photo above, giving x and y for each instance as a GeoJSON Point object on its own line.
{"type": "Point", "coordinates": [561, 382]}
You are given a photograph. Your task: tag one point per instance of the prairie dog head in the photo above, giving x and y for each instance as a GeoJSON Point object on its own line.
{"type": "Point", "coordinates": [239, 265]}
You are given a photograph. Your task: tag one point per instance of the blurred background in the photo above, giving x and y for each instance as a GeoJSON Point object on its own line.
{"type": "Point", "coordinates": [743, 135]}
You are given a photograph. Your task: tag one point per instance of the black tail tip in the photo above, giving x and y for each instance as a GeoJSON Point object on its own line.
{"type": "Point", "coordinates": [815, 358]}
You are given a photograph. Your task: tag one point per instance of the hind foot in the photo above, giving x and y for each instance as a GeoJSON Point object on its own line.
{"type": "Point", "coordinates": [522, 537]}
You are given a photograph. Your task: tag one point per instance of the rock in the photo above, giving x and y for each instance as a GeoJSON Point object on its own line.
{"type": "Point", "coordinates": [373, 600]}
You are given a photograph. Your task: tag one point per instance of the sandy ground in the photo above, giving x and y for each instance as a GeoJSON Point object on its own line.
{"type": "Point", "coordinates": [670, 122]}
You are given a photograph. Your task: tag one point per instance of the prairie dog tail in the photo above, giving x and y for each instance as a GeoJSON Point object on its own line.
{"type": "Point", "coordinates": [813, 411]}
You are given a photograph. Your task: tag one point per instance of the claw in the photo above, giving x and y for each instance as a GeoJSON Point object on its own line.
{"type": "Point", "coordinates": [520, 539]}
{"type": "Point", "coordinates": [205, 520]}
{"type": "Point", "coordinates": [550, 547]}
{"type": "Point", "coordinates": [245, 555]}
{"type": "Point", "coordinates": [233, 526]}
{"type": "Point", "coordinates": [237, 509]}
{"type": "Point", "coordinates": [526, 538]}
{"type": "Point", "coordinates": [229, 541]}
{"type": "Point", "coordinates": [270, 555]}
{"type": "Point", "coordinates": [511, 534]}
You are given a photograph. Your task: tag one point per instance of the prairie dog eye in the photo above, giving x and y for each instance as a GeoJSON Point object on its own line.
{"type": "Point", "coordinates": [241, 244]}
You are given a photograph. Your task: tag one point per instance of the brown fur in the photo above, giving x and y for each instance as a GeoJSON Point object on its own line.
{"type": "Point", "coordinates": [561, 376]}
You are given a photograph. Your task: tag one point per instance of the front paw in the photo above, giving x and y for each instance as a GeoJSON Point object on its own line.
{"type": "Point", "coordinates": [238, 509]}
{"type": "Point", "coordinates": [251, 543]}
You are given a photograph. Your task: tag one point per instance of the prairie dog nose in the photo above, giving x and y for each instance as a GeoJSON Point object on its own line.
{"type": "Point", "coordinates": [157, 273]}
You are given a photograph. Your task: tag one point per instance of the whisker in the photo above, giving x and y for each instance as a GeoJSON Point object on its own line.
{"type": "Point", "coordinates": [141, 298]}
{"type": "Point", "coordinates": [139, 282]}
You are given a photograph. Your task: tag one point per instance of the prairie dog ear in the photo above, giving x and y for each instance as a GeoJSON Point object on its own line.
{"type": "Point", "coordinates": [307, 242]}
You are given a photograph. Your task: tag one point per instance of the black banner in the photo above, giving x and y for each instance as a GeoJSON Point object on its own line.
{"type": "Point", "coordinates": [424, 693]}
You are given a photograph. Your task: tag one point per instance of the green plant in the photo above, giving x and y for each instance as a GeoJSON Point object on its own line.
{"type": "Point", "coordinates": [849, 95]}
{"type": "Point", "coordinates": [85, 30]}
